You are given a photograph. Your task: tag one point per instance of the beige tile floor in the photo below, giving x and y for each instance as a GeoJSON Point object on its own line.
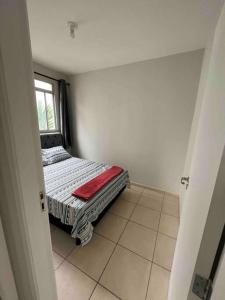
{"type": "Point", "coordinates": [130, 255]}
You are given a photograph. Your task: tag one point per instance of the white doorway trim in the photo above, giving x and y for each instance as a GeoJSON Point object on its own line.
{"type": "Point", "coordinates": [219, 286]}
{"type": "Point", "coordinates": [25, 226]}
{"type": "Point", "coordinates": [7, 283]}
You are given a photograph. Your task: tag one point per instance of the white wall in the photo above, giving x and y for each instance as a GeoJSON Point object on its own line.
{"type": "Point", "coordinates": [139, 116]}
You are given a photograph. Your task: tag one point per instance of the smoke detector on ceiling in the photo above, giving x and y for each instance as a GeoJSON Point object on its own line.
{"type": "Point", "coordinates": [72, 27]}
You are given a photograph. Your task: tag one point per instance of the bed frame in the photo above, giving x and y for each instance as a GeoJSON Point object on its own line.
{"type": "Point", "coordinates": [54, 140]}
{"type": "Point", "coordinates": [51, 140]}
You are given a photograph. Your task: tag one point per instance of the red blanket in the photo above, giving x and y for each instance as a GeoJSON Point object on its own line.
{"type": "Point", "coordinates": [90, 188]}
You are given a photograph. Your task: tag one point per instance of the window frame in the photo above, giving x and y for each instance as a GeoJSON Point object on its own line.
{"type": "Point", "coordinates": [55, 94]}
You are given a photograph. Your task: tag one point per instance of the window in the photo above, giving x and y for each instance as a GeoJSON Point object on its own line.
{"type": "Point", "coordinates": [46, 106]}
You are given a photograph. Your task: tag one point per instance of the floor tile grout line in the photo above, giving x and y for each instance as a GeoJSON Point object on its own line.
{"type": "Point", "coordinates": [146, 227]}
{"type": "Point", "coordinates": [132, 221]}
{"type": "Point", "coordinates": [135, 204]}
{"type": "Point", "coordinates": [160, 215]}
{"type": "Point", "coordinates": [93, 291]}
{"type": "Point", "coordinates": [66, 259]}
{"type": "Point", "coordinates": [154, 247]}
{"type": "Point", "coordinates": [145, 206]}
{"type": "Point", "coordinates": [61, 261]}
{"type": "Point", "coordinates": [166, 214]}
{"type": "Point", "coordinates": [148, 260]}
{"type": "Point", "coordinates": [109, 291]}
{"type": "Point", "coordinates": [101, 235]}
{"type": "Point", "coordinates": [97, 282]}
{"type": "Point", "coordinates": [118, 241]}
{"type": "Point", "coordinates": [146, 293]}
{"type": "Point", "coordinates": [169, 236]}
{"type": "Point", "coordinates": [60, 265]}
{"type": "Point", "coordinates": [164, 268]}
{"type": "Point", "coordinates": [153, 209]}
{"type": "Point", "coordinates": [153, 229]}
{"type": "Point", "coordinates": [107, 262]}
{"type": "Point", "coordinates": [88, 275]}
{"type": "Point", "coordinates": [58, 253]}
{"type": "Point", "coordinates": [139, 198]}
{"type": "Point", "coordinates": [117, 244]}
{"type": "Point", "coordinates": [70, 252]}
{"type": "Point", "coordinates": [127, 221]}
{"type": "Point", "coordinates": [128, 201]}
{"type": "Point", "coordinates": [154, 252]}
{"type": "Point", "coordinates": [173, 215]}
{"type": "Point", "coordinates": [112, 213]}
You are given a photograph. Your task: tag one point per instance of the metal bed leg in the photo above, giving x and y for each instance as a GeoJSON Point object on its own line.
{"type": "Point", "coordinates": [78, 242]}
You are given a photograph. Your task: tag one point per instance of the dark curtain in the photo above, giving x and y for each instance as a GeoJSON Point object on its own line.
{"type": "Point", "coordinates": [64, 114]}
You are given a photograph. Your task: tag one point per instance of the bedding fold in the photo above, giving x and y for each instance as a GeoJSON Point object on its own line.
{"type": "Point", "coordinates": [88, 190]}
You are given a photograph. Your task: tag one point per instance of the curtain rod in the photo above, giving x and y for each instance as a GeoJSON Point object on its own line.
{"type": "Point", "coordinates": [49, 77]}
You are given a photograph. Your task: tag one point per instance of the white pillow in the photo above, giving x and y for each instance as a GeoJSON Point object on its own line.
{"type": "Point", "coordinates": [53, 155]}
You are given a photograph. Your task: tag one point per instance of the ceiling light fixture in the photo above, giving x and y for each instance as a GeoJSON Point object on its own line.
{"type": "Point", "coordinates": [72, 27]}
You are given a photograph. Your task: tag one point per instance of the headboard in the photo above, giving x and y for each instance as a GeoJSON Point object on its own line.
{"type": "Point", "coordinates": [51, 140]}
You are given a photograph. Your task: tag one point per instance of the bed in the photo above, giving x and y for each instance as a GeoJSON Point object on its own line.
{"type": "Point", "coordinates": [62, 178]}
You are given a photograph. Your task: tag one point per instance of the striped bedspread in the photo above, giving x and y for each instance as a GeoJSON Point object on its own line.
{"type": "Point", "coordinates": [62, 178]}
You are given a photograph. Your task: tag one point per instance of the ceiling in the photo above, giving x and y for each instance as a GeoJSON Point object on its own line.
{"type": "Point", "coordinates": [117, 32]}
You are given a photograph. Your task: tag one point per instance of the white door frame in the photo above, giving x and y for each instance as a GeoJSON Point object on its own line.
{"type": "Point", "coordinates": [7, 283]}
{"type": "Point", "coordinates": [219, 286]}
{"type": "Point", "coordinates": [25, 226]}
{"type": "Point", "coordinates": [212, 231]}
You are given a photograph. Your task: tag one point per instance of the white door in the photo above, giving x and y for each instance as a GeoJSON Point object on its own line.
{"type": "Point", "coordinates": [25, 225]}
{"type": "Point", "coordinates": [194, 126]}
{"type": "Point", "coordinates": [206, 158]}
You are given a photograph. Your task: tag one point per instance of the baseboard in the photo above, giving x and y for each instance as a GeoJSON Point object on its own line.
{"type": "Point", "coordinates": [153, 188]}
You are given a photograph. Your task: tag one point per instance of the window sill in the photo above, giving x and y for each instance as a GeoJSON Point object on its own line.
{"type": "Point", "coordinates": [50, 132]}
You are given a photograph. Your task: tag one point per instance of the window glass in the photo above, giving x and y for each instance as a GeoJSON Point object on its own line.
{"type": "Point", "coordinates": [50, 111]}
{"type": "Point", "coordinates": [46, 106]}
{"type": "Point", "coordinates": [43, 85]}
{"type": "Point", "coordinates": [42, 120]}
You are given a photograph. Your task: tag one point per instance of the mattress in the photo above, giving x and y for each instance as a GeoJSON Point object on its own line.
{"type": "Point", "coordinates": [63, 177]}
